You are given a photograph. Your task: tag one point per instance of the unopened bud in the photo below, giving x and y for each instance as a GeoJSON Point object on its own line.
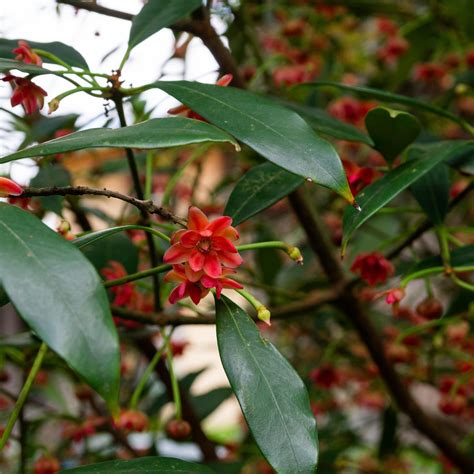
{"type": "Point", "coordinates": [263, 314]}
{"type": "Point", "coordinates": [53, 105]}
{"type": "Point", "coordinates": [9, 188]}
{"type": "Point", "coordinates": [295, 254]}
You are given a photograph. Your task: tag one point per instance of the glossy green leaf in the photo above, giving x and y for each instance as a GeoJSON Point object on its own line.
{"type": "Point", "coordinates": [463, 163]}
{"type": "Point", "coordinates": [64, 52]}
{"type": "Point", "coordinates": [144, 465]}
{"type": "Point", "coordinates": [432, 193]}
{"type": "Point", "coordinates": [64, 302]}
{"type": "Point", "coordinates": [259, 188]}
{"type": "Point", "coordinates": [323, 123]}
{"type": "Point", "coordinates": [155, 133]}
{"type": "Point", "coordinates": [382, 191]}
{"type": "Point", "coordinates": [280, 135]}
{"type": "Point", "coordinates": [51, 175]}
{"type": "Point", "coordinates": [7, 65]}
{"type": "Point", "coordinates": [207, 403]}
{"type": "Point", "coordinates": [273, 398]}
{"type": "Point", "coordinates": [388, 97]}
{"type": "Point", "coordinates": [391, 130]}
{"type": "Point", "coordinates": [158, 14]}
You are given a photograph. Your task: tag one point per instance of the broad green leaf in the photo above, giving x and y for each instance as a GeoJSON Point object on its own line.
{"type": "Point", "coordinates": [273, 398]}
{"type": "Point", "coordinates": [382, 191]}
{"type": "Point", "coordinates": [323, 123]}
{"type": "Point", "coordinates": [280, 135]}
{"type": "Point", "coordinates": [155, 133]}
{"type": "Point", "coordinates": [144, 465]}
{"type": "Point", "coordinates": [391, 130]}
{"type": "Point", "coordinates": [432, 193]}
{"type": "Point", "coordinates": [259, 188]}
{"type": "Point", "coordinates": [64, 52]}
{"type": "Point", "coordinates": [388, 97]}
{"type": "Point", "coordinates": [59, 294]}
{"type": "Point", "coordinates": [208, 402]}
{"type": "Point", "coordinates": [44, 127]}
{"type": "Point", "coordinates": [11, 64]}
{"type": "Point", "coordinates": [158, 14]}
{"type": "Point", "coordinates": [460, 257]}
{"type": "Point", "coordinates": [51, 175]}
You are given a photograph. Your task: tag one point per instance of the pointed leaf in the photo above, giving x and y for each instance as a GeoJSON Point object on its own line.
{"type": "Point", "coordinates": [273, 398]}
{"type": "Point", "coordinates": [7, 65]}
{"type": "Point", "coordinates": [158, 14]}
{"type": "Point", "coordinates": [391, 130]}
{"type": "Point", "coordinates": [278, 134]}
{"type": "Point", "coordinates": [144, 465]}
{"type": "Point", "coordinates": [64, 52]}
{"type": "Point", "coordinates": [258, 189]}
{"type": "Point", "coordinates": [382, 191]}
{"type": "Point", "coordinates": [155, 133]}
{"type": "Point", "coordinates": [59, 294]}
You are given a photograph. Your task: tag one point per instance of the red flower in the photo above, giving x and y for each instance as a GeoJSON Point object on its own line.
{"type": "Point", "coordinates": [394, 295]}
{"type": "Point", "coordinates": [205, 247]}
{"type": "Point", "coordinates": [25, 53]}
{"type": "Point", "coordinates": [26, 93]}
{"type": "Point", "coordinates": [187, 112]}
{"type": "Point", "coordinates": [452, 405]}
{"type": "Point", "coordinates": [372, 267]}
{"type": "Point", "coordinates": [359, 177]}
{"type": "Point", "coordinates": [325, 376]}
{"type": "Point", "coordinates": [9, 188]}
{"type": "Point", "coordinates": [196, 285]}
{"type": "Point", "coordinates": [46, 465]}
{"type": "Point", "coordinates": [123, 293]}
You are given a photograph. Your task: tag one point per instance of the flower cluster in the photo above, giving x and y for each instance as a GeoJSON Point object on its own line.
{"type": "Point", "coordinates": [203, 256]}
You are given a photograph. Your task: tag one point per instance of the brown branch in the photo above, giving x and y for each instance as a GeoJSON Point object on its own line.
{"type": "Point", "coordinates": [144, 206]}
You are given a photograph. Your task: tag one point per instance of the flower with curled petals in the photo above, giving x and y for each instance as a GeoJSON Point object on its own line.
{"type": "Point", "coordinates": [25, 54]}
{"type": "Point", "coordinates": [372, 267]}
{"type": "Point", "coordinates": [26, 93]}
{"type": "Point", "coordinates": [206, 246]}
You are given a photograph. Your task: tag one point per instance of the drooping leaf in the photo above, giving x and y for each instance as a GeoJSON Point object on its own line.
{"type": "Point", "coordinates": [391, 130]}
{"type": "Point", "coordinates": [158, 14]}
{"type": "Point", "coordinates": [11, 64]}
{"type": "Point", "coordinates": [64, 52]}
{"type": "Point", "coordinates": [52, 175]}
{"type": "Point", "coordinates": [259, 188]}
{"type": "Point", "coordinates": [59, 294]}
{"type": "Point", "coordinates": [207, 403]}
{"type": "Point", "coordinates": [432, 193]}
{"type": "Point", "coordinates": [323, 123]}
{"type": "Point", "coordinates": [273, 398]}
{"type": "Point", "coordinates": [387, 97]}
{"type": "Point", "coordinates": [278, 134]}
{"type": "Point", "coordinates": [155, 133]}
{"type": "Point", "coordinates": [382, 191]}
{"type": "Point", "coordinates": [144, 465]}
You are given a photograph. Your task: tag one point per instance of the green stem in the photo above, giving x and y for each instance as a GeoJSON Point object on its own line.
{"type": "Point", "coordinates": [137, 276]}
{"type": "Point", "coordinates": [77, 89]}
{"type": "Point", "coordinates": [149, 175]}
{"type": "Point", "coordinates": [146, 375]}
{"type": "Point", "coordinates": [435, 270]}
{"type": "Point", "coordinates": [175, 178]}
{"type": "Point", "coordinates": [124, 59]}
{"type": "Point", "coordinates": [23, 394]}
{"type": "Point", "coordinates": [461, 283]}
{"type": "Point", "coordinates": [442, 235]}
{"type": "Point", "coordinates": [271, 244]}
{"type": "Point", "coordinates": [174, 380]}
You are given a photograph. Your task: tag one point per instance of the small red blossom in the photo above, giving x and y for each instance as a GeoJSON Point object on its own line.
{"type": "Point", "coordinates": [46, 465]}
{"type": "Point", "coordinates": [386, 26]}
{"type": "Point", "coordinates": [26, 54]}
{"type": "Point", "coordinates": [325, 376]}
{"type": "Point", "coordinates": [123, 293]}
{"type": "Point", "coordinates": [26, 93]}
{"type": "Point", "coordinates": [350, 110]}
{"type": "Point", "coordinates": [470, 58]}
{"type": "Point", "coordinates": [9, 188]}
{"type": "Point", "coordinates": [295, 74]}
{"type": "Point", "coordinates": [359, 177]}
{"type": "Point", "coordinates": [392, 50]}
{"type": "Point", "coordinates": [187, 112]}
{"type": "Point", "coordinates": [452, 405]}
{"type": "Point", "coordinates": [206, 246]}
{"type": "Point", "coordinates": [372, 267]}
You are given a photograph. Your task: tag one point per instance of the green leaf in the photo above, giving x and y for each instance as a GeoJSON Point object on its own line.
{"type": "Point", "coordinates": [463, 163]}
{"type": "Point", "coordinates": [462, 256]}
{"type": "Point", "coordinates": [59, 294]}
{"type": "Point", "coordinates": [273, 398]}
{"type": "Point", "coordinates": [11, 64]}
{"type": "Point", "coordinates": [323, 123]}
{"type": "Point", "coordinates": [64, 52]}
{"type": "Point", "coordinates": [391, 130]}
{"type": "Point", "coordinates": [158, 14]}
{"type": "Point", "coordinates": [432, 193]}
{"type": "Point", "coordinates": [388, 97]}
{"type": "Point", "coordinates": [208, 402]}
{"type": "Point", "coordinates": [259, 188]}
{"type": "Point", "coordinates": [144, 465]}
{"type": "Point", "coordinates": [51, 175]}
{"type": "Point", "coordinates": [382, 191]}
{"type": "Point", "coordinates": [155, 133]}
{"type": "Point", "coordinates": [278, 134]}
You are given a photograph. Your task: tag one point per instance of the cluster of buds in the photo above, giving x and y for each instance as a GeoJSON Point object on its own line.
{"type": "Point", "coordinates": [203, 256]}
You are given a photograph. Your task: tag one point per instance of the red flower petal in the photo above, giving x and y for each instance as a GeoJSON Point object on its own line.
{"type": "Point", "coordinates": [196, 260]}
{"type": "Point", "coordinates": [219, 224]}
{"type": "Point", "coordinates": [212, 265]}
{"type": "Point", "coordinates": [222, 244]}
{"type": "Point", "coordinates": [176, 254]}
{"type": "Point", "coordinates": [190, 238]}
{"type": "Point", "coordinates": [230, 259]}
{"type": "Point", "coordinates": [9, 188]}
{"type": "Point", "coordinates": [197, 220]}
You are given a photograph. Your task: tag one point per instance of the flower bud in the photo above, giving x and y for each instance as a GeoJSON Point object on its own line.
{"type": "Point", "coordinates": [9, 188]}
{"type": "Point", "coordinates": [263, 314]}
{"type": "Point", "coordinates": [295, 254]}
{"type": "Point", "coordinates": [53, 105]}
{"type": "Point", "coordinates": [430, 308]}
{"type": "Point", "coordinates": [178, 429]}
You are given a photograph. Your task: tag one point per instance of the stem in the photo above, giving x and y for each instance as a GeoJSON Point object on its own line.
{"type": "Point", "coordinates": [461, 283]}
{"type": "Point", "coordinates": [271, 244]}
{"type": "Point", "coordinates": [23, 394]}
{"type": "Point", "coordinates": [149, 174]}
{"type": "Point", "coordinates": [174, 380]}
{"type": "Point", "coordinates": [442, 235]}
{"type": "Point", "coordinates": [138, 275]}
{"type": "Point", "coordinates": [146, 375]}
{"type": "Point", "coordinates": [124, 59]}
